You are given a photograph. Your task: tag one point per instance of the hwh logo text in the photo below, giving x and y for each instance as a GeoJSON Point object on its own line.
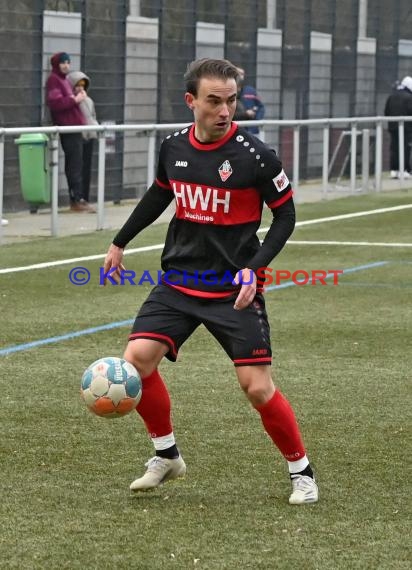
{"type": "Point", "coordinates": [201, 197]}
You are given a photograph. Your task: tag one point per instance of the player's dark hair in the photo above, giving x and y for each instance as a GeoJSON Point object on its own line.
{"type": "Point", "coordinates": [207, 67]}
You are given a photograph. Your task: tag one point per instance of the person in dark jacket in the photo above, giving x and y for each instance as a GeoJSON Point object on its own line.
{"type": "Point", "coordinates": [65, 110]}
{"type": "Point", "coordinates": [249, 105]}
{"type": "Point", "coordinates": [399, 104]}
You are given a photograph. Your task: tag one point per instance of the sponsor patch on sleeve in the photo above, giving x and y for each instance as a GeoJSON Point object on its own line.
{"type": "Point", "coordinates": [281, 181]}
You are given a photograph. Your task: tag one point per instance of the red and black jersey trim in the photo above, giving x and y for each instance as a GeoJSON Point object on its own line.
{"type": "Point", "coordinates": [211, 146]}
{"type": "Point", "coordinates": [253, 361]}
{"type": "Point", "coordinates": [202, 294]}
{"type": "Point", "coordinates": [208, 294]}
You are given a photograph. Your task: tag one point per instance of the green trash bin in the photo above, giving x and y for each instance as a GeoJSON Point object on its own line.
{"type": "Point", "coordinates": [34, 167]}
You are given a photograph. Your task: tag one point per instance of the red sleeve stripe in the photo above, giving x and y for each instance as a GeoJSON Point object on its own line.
{"type": "Point", "coordinates": [277, 203]}
{"type": "Point", "coordinates": [159, 337]}
{"type": "Point", "coordinates": [162, 185]}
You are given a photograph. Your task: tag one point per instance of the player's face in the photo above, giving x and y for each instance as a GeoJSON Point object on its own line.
{"type": "Point", "coordinates": [213, 107]}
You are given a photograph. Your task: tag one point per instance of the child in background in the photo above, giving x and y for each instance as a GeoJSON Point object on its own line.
{"type": "Point", "coordinates": [81, 82]}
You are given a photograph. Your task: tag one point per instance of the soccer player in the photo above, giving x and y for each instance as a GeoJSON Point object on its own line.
{"type": "Point", "coordinates": [219, 176]}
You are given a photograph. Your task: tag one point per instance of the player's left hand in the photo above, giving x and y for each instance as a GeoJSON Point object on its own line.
{"type": "Point", "coordinates": [248, 290]}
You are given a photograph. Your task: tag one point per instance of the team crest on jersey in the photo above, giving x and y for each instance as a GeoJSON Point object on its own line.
{"type": "Point", "coordinates": [225, 170]}
{"type": "Point", "coordinates": [281, 181]}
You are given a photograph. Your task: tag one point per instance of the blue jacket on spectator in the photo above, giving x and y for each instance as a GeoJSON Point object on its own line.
{"type": "Point", "coordinates": [250, 101]}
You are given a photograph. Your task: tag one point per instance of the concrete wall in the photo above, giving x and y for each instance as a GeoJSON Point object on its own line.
{"type": "Point", "coordinates": [319, 94]}
{"type": "Point", "coordinates": [140, 96]}
{"type": "Point", "coordinates": [210, 40]}
{"type": "Point", "coordinates": [405, 58]}
{"type": "Point", "coordinates": [268, 74]}
{"type": "Point", "coordinates": [366, 77]}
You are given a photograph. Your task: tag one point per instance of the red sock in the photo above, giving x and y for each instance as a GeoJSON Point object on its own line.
{"type": "Point", "coordinates": [280, 423]}
{"type": "Point", "coordinates": [154, 406]}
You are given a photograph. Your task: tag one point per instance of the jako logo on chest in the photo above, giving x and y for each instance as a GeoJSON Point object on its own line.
{"type": "Point", "coordinates": [201, 197]}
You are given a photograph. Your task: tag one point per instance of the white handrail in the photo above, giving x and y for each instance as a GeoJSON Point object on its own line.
{"type": "Point", "coordinates": [1, 182]}
{"type": "Point", "coordinates": [175, 126]}
{"type": "Point", "coordinates": [54, 185]}
{"type": "Point", "coordinates": [152, 128]}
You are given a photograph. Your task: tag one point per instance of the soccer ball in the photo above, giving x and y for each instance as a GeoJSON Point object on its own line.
{"type": "Point", "coordinates": [111, 387]}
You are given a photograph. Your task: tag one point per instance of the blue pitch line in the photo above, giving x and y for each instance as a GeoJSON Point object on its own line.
{"type": "Point", "coordinates": [109, 326]}
{"type": "Point", "coordinates": [375, 285]}
{"type": "Point", "coordinates": [345, 271]}
{"type": "Point", "coordinates": [68, 336]}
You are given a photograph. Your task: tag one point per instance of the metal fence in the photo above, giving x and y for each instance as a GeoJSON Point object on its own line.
{"type": "Point", "coordinates": [359, 154]}
{"type": "Point", "coordinates": [308, 58]}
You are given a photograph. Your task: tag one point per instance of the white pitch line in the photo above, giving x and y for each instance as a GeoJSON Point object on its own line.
{"type": "Point", "coordinates": [358, 243]}
{"type": "Point", "coordinates": [47, 264]}
{"type": "Point", "coordinates": [348, 216]}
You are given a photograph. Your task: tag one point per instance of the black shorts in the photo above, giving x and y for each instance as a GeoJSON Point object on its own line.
{"type": "Point", "coordinates": [171, 317]}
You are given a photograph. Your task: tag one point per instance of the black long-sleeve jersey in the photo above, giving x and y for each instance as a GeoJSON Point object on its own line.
{"type": "Point", "coordinates": [219, 190]}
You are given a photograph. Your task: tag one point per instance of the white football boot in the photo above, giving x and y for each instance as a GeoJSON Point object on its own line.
{"type": "Point", "coordinates": [159, 470]}
{"type": "Point", "coordinates": [304, 490]}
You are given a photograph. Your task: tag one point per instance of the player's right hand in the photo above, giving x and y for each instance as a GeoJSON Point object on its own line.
{"type": "Point", "coordinates": [113, 259]}
{"type": "Point", "coordinates": [247, 278]}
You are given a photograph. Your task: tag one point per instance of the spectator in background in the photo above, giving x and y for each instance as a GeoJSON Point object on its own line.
{"type": "Point", "coordinates": [65, 110]}
{"type": "Point", "coordinates": [398, 104]}
{"type": "Point", "coordinates": [249, 104]}
{"type": "Point", "coordinates": [80, 82]}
